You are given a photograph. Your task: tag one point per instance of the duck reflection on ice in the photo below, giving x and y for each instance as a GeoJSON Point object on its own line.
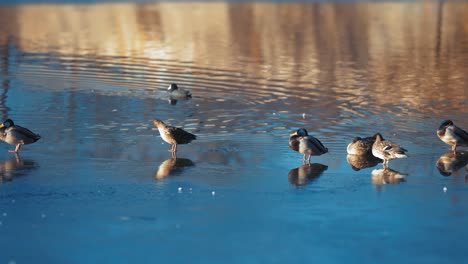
{"type": "Point", "coordinates": [387, 176]}
{"type": "Point", "coordinates": [306, 173]}
{"type": "Point", "coordinates": [451, 162]}
{"type": "Point", "coordinates": [172, 166]}
{"type": "Point", "coordinates": [358, 162]}
{"type": "Point", "coordinates": [15, 167]}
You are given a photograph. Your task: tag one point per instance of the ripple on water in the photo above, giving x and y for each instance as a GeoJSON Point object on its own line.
{"type": "Point", "coordinates": [224, 100]}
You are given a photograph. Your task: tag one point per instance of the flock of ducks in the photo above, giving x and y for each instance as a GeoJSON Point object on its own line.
{"type": "Point", "coordinates": [376, 145]}
{"type": "Point", "coordinates": [372, 149]}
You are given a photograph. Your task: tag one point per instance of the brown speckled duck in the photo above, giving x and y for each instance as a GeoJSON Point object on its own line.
{"type": "Point", "coordinates": [452, 135]}
{"type": "Point", "coordinates": [173, 135]}
{"type": "Point", "coordinates": [359, 162]}
{"type": "Point", "coordinates": [303, 143]}
{"type": "Point", "coordinates": [361, 146]}
{"type": "Point", "coordinates": [387, 150]}
{"type": "Point", "coordinates": [16, 135]}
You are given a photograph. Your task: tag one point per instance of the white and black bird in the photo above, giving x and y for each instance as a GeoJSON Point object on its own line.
{"type": "Point", "coordinates": [176, 93]}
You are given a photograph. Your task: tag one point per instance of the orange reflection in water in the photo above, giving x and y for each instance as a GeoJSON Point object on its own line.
{"type": "Point", "coordinates": [413, 53]}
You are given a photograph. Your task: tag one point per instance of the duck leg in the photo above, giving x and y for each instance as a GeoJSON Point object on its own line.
{"type": "Point", "coordinates": [308, 160]}
{"type": "Point", "coordinates": [172, 149]}
{"type": "Point", "coordinates": [385, 164]}
{"type": "Point", "coordinates": [175, 148]}
{"type": "Point", "coordinates": [16, 149]}
{"type": "Point", "coordinates": [454, 148]}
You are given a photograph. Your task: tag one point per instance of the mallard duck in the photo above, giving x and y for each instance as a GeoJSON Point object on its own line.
{"type": "Point", "coordinates": [304, 174]}
{"type": "Point", "coordinates": [387, 150]}
{"type": "Point", "coordinates": [16, 135]}
{"type": "Point", "coordinates": [361, 146]}
{"type": "Point", "coordinates": [173, 135]}
{"type": "Point", "coordinates": [301, 142]}
{"type": "Point", "coordinates": [452, 135]}
{"type": "Point", "coordinates": [358, 162]}
{"type": "Point", "coordinates": [451, 162]}
{"type": "Point", "coordinates": [387, 176]}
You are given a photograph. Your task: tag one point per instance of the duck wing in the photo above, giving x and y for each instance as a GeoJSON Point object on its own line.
{"type": "Point", "coordinates": [180, 136]}
{"type": "Point", "coordinates": [22, 133]}
{"type": "Point", "coordinates": [317, 144]}
{"type": "Point", "coordinates": [460, 133]}
{"type": "Point", "coordinates": [393, 149]}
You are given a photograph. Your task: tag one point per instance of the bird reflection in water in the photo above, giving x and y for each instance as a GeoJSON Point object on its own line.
{"type": "Point", "coordinates": [387, 176]}
{"type": "Point", "coordinates": [15, 167]}
{"type": "Point", "coordinates": [172, 166]}
{"type": "Point", "coordinates": [306, 173]}
{"type": "Point", "coordinates": [358, 162]}
{"type": "Point", "coordinates": [451, 162]}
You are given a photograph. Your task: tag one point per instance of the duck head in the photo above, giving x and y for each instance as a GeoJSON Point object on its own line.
{"type": "Point", "coordinates": [7, 123]}
{"type": "Point", "coordinates": [157, 123]}
{"type": "Point", "coordinates": [378, 137]}
{"type": "Point", "coordinates": [445, 124]}
{"type": "Point", "coordinates": [172, 87]}
{"type": "Point", "coordinates": [302, 132]}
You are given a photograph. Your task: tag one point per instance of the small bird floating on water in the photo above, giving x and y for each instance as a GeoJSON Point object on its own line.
{"type": "Point", "coordinates": [16, 135]}
{"type": "Point", "coordinates": [452, 135]}
{"type": "Point", "coordinates": [178, 93]}
{"type": "Point", "coordinates": [387, 150]}
{"type": "Point", "coordinates": [361, 146]}
{"type": "Point", "coordinates": [301, 142]}
{"type": "Point", "coordinates": [173, 135]}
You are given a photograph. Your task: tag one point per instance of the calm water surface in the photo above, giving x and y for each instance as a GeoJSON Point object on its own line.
{"type": "Point", "coordinates": [100, 185]}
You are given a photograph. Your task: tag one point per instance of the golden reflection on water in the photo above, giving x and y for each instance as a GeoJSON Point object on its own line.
{"type": "Point", "coordinates": [408, 55]}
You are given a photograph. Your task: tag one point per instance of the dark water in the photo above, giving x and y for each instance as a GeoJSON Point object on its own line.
{"type": "Point", "coordinates": [100, 185]}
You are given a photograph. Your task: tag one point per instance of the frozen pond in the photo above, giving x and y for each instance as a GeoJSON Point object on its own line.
{"type": "Point", "coordinates": [100, 186]}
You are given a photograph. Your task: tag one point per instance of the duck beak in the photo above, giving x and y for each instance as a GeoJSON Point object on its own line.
{"type": "Point", "coordinates": [2, 125]}
{"type": "Point", "coordinates": [293, 134]}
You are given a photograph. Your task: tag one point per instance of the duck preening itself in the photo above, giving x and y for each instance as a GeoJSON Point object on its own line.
{"type": "Point", "coordinates": [452, 135]}
{"type": "Point", "coordinates": [303, 143]}
{"type": "Point", "coordinates": [361, 146]}
{"type": "Point", "coordinates": [387, 150]}
{"type": "Point", "coordinates": [173, 135]}
{"type": "Point", "coordinates": [16, 135]}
